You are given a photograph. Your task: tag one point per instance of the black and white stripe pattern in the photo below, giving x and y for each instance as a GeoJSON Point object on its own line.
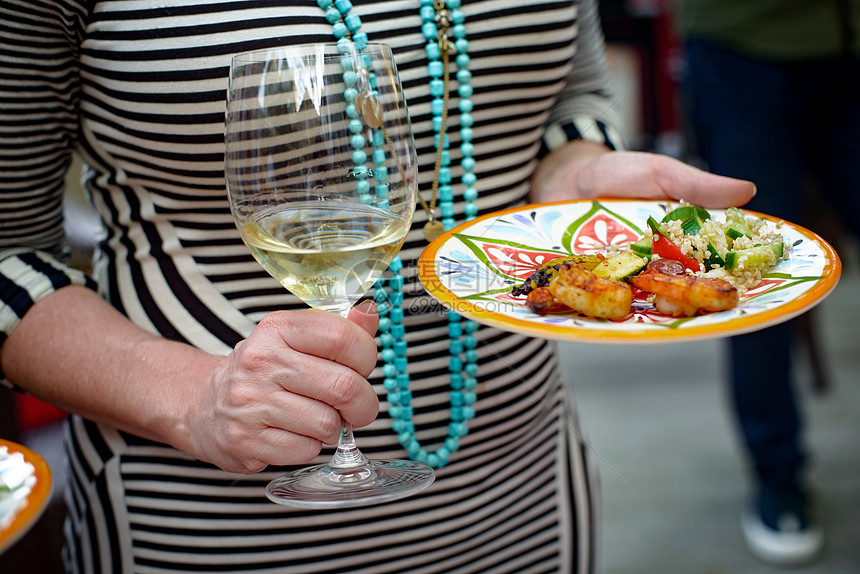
{"type": "Point", "coordinates": [137, 87]}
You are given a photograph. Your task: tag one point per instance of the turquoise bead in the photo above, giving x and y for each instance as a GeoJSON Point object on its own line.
{"type": "Point", "coordinates": [355, 126]}
{"type": "Point", "coordinates": [437, 123]}
{"type": "Point", "coordinates": [359, 157]}
{"type": "Point", "coordinates": [465, 91]}
{"type": "Point", "coordinates": [470, 341]}
{"type": "Point", "coordinates": [458, 31]}
{"type": "Point", "coordinates": [465, 105]}
{"type": "Point", "coordinates": [432, 51]}
{"type": "Point", "coordinates": [343, 6]}
{"type": "Point", "coordinates": [360, 40]}
{"type": "Point", "coordinates": [400, 348]}
{"type": "Point", "coordinates": [429, 30]}
{"type": "Point", "coordinates": [448, 222]}
{"type": "Point", "coordinates": [428, 13]}
{"type": "Point", "coordinates": [446, 209]}
{"type": "Point", "coordinates": [466, 120]}
{"type": "Point", "coordinates": [452, 444]}
{"type": "Point", "coordinates": [471, 369]}
{"type": "Point", "coordinates": [357, 141]}
{"type": "Point", "coordinates": [385, 325]}
{"type": "Point", "coordinates": [406, 412]}
{"type": "Point", "coordinates": [457, 16]}
{"type": "Point", "coordinates": [332, 15]}
{"type": "Point", "coordinates": [456, 398]}
{"type": "Point", "coordinates": [347, 63]}
{"type": "Point", "coordinates": [404, 438]}
{"type": "Point", "coordinates": [398, 425]}
{"type": "Point", "coordinates": [470, 383]}
{"type": "Point", "coordinates": [324, 4]}
{"type": "Point", "coordinates": [437, 88]}
{"type": "Point", "coordinates": [421, 456]}
{"type": "Point", "coordinates": [382, 204]}
{"type": "Point", "coordinates": [388, 355]}
{"type": "Point", "coordinates": [457, 381]}
{"type": "Point", "coordinates": [467, 149]}
{"type": "Point", "coordinates": [435, 69]}
{"type": "Point", "coordinates": [349, 94]}
{"type": "Point", "coordinates": [349, 78]}
{"type": "Point", "coordinates": [396, 265]}
{"type": "Point", "coordinates": [345, 46]}
{"type": "Point", "coordinates": [468, 163]}
{"type": "Point", "coordinates": [455, 347]}
{"type": "Point", "coordinates": [395, 298]}
{"type": "Point", "coordinates": [471, 210]}
{"type": "Point", "coordinates": [393, 397]}
{"type": "Point", "coordinates": [463, 76]}
{"type": "Point", "coordinates": [446, 193]}
{"type": "Point", "coordinates": [437, 106]}
{"type": "Point", "coordinates": [462, 45]}
{"type": "Point", "coordinates": [446, 157]}
{"type": "Point", "coordinates": [395, 411]}
{"type": "Point", "coordinates": [444, 175]}
{"type": "Point", "coordinates": [472, 356]}
{"type": "Point", "coordinates": [398, 331]}
{"type": "Point", "coordinates": [455, 329]}
{"type": "Point", "coordinates": [469, 178]}
{"type": "Point", "coordinates": [365, 198]}
{"type": "Point", "coordinates": [456, 413]}
{"type": "Point", "coordinates": [468, 413]}
{"type": "Point", "coordinates": [427, 3]}
{"type": "Point", "coordinates": [382, 190]}
{"type": "Point", "coordinates": [406, 396]}
{"type": "Point", "coordinates": [455, 364]}
{"type": "Point", "coordinates": [403, 379]}
{"type": "Point", "coordinates": [352, 111]}
{"type": "Point", "coordinates": [378, 138]}
{"type": "Point", "coordinates": [451, 4]}
{"type": "Point", "coordinates": [443, 454]}
{"type": "Point", "coordinates": [396, 315]}
{"type": "Point", "coordinates": [378, 156]}
{"type": "Point", "coordinates": [470, 398]}
{"type": "Point", "coordinates": [380, 173]}
{"type": "Point", "coordinates": [470, 194]}
{"type": "Point", "coordinates": [386, 340]}
{"type": "Point", "coordinates": [466, 134]}
{"type": "Point", "coordinates": [353, 22]}
{"type": "Point", "coordinates": [471, 326]}
{"type": "Point", "coordinates": [463, 59]}
{"type": "Point", "coordinates": [362, 186]}
{"type": "Point", "coordinates": [432, 460]}
{"type": "Point", "coordinates": [340, 30]}
{"type": "Point", "coordinates": [396, 282]}
{"type": "Point", "coordinates": [390, 384]}
{"type": "Point", "coordinates": [413, 448]}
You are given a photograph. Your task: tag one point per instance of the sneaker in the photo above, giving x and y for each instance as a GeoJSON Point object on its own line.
{"type": "Point", "coordinates": [778, 529]}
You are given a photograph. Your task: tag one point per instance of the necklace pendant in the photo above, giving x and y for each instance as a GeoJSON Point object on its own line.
{"type": "Point", "coordinates": [433, 229]}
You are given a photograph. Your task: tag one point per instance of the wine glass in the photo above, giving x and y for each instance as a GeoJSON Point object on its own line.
{"type": "Point", "coordinates": [321, 172]}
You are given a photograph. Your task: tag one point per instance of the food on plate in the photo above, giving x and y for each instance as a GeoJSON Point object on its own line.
{"type": "Point", "coordinates": [682, 295]}
{"type": "Point", "coordinates": [587, 293]}
{"type": "Point", "coordinates": [547, 271]}
{"type": "Point", "coordinates": [686, 264]}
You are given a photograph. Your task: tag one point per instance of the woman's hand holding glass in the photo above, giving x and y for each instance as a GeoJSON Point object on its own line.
{"type": "Point", "coordinates": [286, 390]}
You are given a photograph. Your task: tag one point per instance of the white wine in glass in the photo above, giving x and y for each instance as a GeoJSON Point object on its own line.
{"type": "Point", "coordinates": [321, 172]}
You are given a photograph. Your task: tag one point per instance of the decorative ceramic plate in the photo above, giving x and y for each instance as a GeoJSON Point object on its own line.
{"type": "Point", "coordinates": [37, 499]}
{"type": "Point", "coordinates": [472, 268]}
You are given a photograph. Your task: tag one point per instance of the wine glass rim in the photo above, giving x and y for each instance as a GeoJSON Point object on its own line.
{"type": "Point", "coordinates": [275, 52]}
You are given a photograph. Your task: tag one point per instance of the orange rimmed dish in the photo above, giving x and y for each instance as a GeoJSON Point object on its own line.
{"type": "Point", "coordinates": [37, 500]}
{"type": "Point", "coordinates": [472, 268]}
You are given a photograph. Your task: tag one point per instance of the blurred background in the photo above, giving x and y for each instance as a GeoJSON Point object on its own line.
{"type": "Point", "coordinates": [674, 477]}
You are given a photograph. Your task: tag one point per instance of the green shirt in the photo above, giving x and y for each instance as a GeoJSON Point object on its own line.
{"type": "Point", "coordinates": [775, 29]}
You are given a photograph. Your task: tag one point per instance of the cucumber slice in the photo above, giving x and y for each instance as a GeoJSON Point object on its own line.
{"type": "Point", "coordinates": [758, 257]}
{"type": "Point", "coordinates": [642, 248]}
{"type": "Point", "coordinates": [737, 225]}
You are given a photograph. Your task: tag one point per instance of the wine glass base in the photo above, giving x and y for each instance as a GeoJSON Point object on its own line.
{"type": "Point", "coordinates": [322, 486]}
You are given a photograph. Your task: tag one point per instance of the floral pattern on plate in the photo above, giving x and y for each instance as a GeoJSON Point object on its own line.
{"type": "Point", "coordinates": [472, 269]}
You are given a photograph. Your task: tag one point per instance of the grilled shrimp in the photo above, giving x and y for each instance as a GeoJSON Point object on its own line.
{"type": "Point", "coordinates": [686, 295]}
{"type": "Point", "coordinates": [541, 301]}
{"type": "Point", "coordinates": [586, 293]}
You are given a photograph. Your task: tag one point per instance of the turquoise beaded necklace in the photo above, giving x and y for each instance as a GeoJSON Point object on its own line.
{"type": "Point", "coordinates": [443, 26]}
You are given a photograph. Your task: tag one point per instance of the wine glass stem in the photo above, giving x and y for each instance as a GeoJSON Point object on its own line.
{"type": "Point", "coordinates": [347, 455]}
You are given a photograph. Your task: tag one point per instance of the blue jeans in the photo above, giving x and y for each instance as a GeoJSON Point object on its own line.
{"type": "Point", "coordinates": [776, 124]}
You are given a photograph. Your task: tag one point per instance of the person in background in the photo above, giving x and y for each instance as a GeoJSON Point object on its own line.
{"type": "Point", "coordinates": [192, 375]}
{"type": "Point", "coordinates": [772, 90]}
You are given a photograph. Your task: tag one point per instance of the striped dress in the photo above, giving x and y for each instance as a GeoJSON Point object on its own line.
{"type": "Point", "coordinates": [137, 88]}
